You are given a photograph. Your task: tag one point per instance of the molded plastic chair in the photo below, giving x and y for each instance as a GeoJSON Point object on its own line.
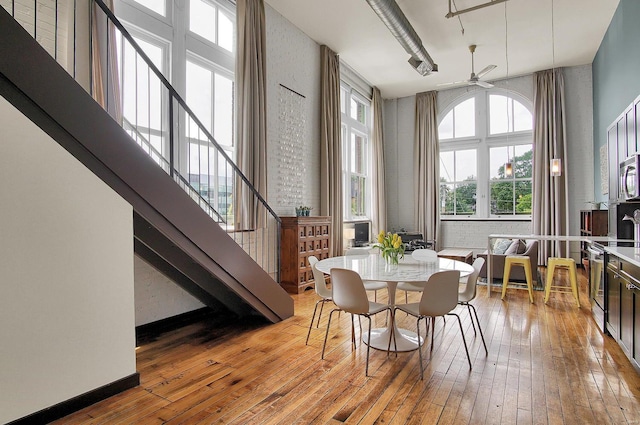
{"type": "Point", "coordinates": [439, 298]}
{"type": "Point", "coordinates": [427, 255]}
{"type": "Point", "coordinates": [322, 290]}
{"type": "Point", "coordinates": [469, 293]}
{"type": "Point", "coordinates": [372, 285]}
{"type": "Point", "coordinates": [350, 296]}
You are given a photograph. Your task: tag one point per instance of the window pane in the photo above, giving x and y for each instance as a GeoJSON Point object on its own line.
{"type": "Point", "coordinates": [498, 157]}
{"type": "Point", "coordinates": [502, 197]}
{"type": "Point", "coordinates": [523, 161]}
{"type": "Point", "coordinates": [465, 119]}
{"type": "Point", "coordinates": [358, 111]}
{"type": "Point", "coordinates": [466, 165]}
{"type": "Point", "coordinates": [157, 6]}
{"type": "Point", "coordinates": [223, 112]}
{"type": "Point", "coordinates": [445, 129]}
{"type": "Point", "coordinates": [522, 117]}
{"type": "Point", "coordinates": [446, 167]}
{"type": "Point", "coordinates": [358, 196]}
{"type": "Point", "coordinates": [499, 114]}
{"type": "Point", "coordinates": [523, 197]}
{"type": "Point", "coordinates": [358, 154]}
{"type": "Point", "coordinates": [202, 19]}
{"type": "Point", "coordinates": [199, 94]}
{"type": "Point", "coordinates": [225, 31]}
{"type": "Point", "coordinates": [344, 95]}
{"type": "Point", "coordinates": [447, 199]}
{"type": "Point", "coordinates": [466, 198]}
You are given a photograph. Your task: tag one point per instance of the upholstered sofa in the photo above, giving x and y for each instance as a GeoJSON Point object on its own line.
{"type": "Point", "coordinates": [527, 247]}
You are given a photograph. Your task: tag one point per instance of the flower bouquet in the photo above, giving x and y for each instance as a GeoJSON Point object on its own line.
{"type": "Point", "coordinates": [390, 246]}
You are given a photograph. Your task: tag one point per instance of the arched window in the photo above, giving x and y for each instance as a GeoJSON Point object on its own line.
{"type": "Point", "coordinates": [486, 155]}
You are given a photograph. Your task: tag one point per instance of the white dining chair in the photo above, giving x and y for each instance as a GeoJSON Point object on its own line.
{"type": "Point", "coordinates": [372, 285]}
{"type": "Point", "coordinates": [439, 298]}
{"type": "Point", "coordinates": [468, 293]}
{"type": "Point", "coordinates": [320, 285]}
{"type": "Point", "coordinates": [426, 255]}
{"type": "Point", "coordinates": [350, 296]}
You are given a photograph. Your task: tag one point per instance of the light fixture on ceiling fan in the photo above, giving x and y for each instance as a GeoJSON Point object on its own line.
{"type": "Point", "coordinates": [475, 79]}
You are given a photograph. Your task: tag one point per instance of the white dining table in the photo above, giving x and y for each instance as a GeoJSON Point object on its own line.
{"type": "Point", "coordinates": [374, 267]}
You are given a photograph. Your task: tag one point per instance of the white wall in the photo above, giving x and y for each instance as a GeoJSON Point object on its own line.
{"type": "Point", "coordinates": [158, 297]}
{"type": "Point", "coordinates": [399, 115]}
{"type": "Point", "coordinates": [293, 60]}
{"type": "Point", "coordinates": [66, 273]}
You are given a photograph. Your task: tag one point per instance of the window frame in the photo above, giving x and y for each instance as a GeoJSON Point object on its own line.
{"type": "Point", "coordinates": [351, 125]}
{"type": "Point", "coordinates": [483, 142]}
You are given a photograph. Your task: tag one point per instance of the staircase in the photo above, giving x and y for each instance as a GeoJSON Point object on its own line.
{"type": "Point", "coordinates": [226, 259]}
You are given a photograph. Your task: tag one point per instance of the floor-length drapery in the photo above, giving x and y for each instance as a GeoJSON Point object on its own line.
{"type": "Point", "coordinates": [378, 198]}
{"type": "Point", "coordinates": [330, 146]}
{"type": "Point", "coordinates": [426, 166]}
{"type": "Point", "coordinates": [550, 194]}
{"type": "Point", "coordinates": [251, 122]}
{"type": "Point", "coordinates": [105, 83]}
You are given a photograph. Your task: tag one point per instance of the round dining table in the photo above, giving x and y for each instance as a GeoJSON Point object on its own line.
{"type": "Point", "coordinates": [372, 267]}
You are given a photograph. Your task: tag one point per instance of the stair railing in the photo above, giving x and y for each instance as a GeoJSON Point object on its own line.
{"type": "Point", "coordinates": [160, 122]}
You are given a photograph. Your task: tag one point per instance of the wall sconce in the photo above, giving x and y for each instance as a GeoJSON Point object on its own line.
{"type": "Point", "coordinates": [556, 167]}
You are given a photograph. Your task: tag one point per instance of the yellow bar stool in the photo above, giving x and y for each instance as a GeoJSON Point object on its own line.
{"type": "Point", "coordinates": [566, 263]}
{"type": "Point", "coordinates": [517, 260]}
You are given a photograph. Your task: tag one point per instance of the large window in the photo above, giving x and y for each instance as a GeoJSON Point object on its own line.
{"type": "Point", "coordinates": [192, 43]}
{"type": "Point", "coordinates": [486, 155]}
{"type": "Point", "coordinates": [356, 124]}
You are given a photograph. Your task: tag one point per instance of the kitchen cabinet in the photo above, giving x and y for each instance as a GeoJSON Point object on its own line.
{"type": "Point", "coordinates": [613, 296]}
{"type": "Point", "coordinates": [623, 304]}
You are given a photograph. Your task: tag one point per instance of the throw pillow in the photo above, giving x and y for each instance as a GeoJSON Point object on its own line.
{"type": "Point", "coordinates": [516, 247]}
{"type": "Point", "coordinates": [501, 245]}
{"type": "Point", "coordinates": [522, 246]}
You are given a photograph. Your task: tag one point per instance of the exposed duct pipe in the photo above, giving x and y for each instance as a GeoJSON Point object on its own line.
{"type": "Point", "coordinates": [393, 17]}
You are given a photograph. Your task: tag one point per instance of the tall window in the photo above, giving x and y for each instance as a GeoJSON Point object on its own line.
{"type": "Point", "coordinates": [489, 128]}
{"type": "Point", "coordinates": [356, 154]}
{"type": "Point", "coordinates": [192, 43]}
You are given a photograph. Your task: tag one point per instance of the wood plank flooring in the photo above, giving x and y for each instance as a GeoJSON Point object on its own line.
{"type": "Point", "coordinates": [546, 365]}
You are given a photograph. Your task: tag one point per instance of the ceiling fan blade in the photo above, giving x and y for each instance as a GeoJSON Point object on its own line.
{"type": "Point", "coordinates": [452, 83]}
{"type": "Point", "coordinates": [483, 84]}
{"type": "Point", "coordinates": [486, 70]}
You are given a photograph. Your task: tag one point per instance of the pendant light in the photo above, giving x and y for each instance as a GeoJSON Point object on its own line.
{"type": "Point", "coordinates": [508, 167]}
{"type": "Point", "coordinates": [555, 165]}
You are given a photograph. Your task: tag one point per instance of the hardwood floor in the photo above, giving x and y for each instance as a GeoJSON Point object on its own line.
{"type": "Point", "coordinates": [546, 364]}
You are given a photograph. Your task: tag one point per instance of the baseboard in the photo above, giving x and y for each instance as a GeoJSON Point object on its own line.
{"type": "Point", "coordinates": [150, 331]}
{"type": "Point", "coordinates": [72, 405]}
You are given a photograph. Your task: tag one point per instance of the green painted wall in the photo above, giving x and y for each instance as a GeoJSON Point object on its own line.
{"type": "Point", "coordinates": [616, 75]}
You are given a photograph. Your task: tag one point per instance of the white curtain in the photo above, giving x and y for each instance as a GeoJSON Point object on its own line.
{"type": "Point", "coordinates": [330, 146]}
{"type": "Point", "coordinates": [426, 167]}
{"type": "Point", "coordinates": [251, 127]}
{"type": "Point", "coordinates": [378, 198]}
{"type": "Point", "coordinates": [550, 194]}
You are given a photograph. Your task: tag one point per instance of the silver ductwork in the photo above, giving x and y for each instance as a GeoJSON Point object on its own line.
{"type": "Point", "coordinates": [393, 17]}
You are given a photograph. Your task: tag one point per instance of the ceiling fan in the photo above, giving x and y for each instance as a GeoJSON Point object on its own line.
{"type": "Point", "coordinates": [475, 79]}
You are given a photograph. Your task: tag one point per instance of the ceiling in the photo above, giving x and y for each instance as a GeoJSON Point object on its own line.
{"type": "Point", "coordinates": [515, 35]}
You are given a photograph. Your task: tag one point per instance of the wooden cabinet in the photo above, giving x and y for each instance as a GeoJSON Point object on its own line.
{"type": "Point", "coordinates": [301, 237]}
{"type": "Point", "coordinates": [623, 306]}
{"type": "Point", "coordinates": [592, 223]}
